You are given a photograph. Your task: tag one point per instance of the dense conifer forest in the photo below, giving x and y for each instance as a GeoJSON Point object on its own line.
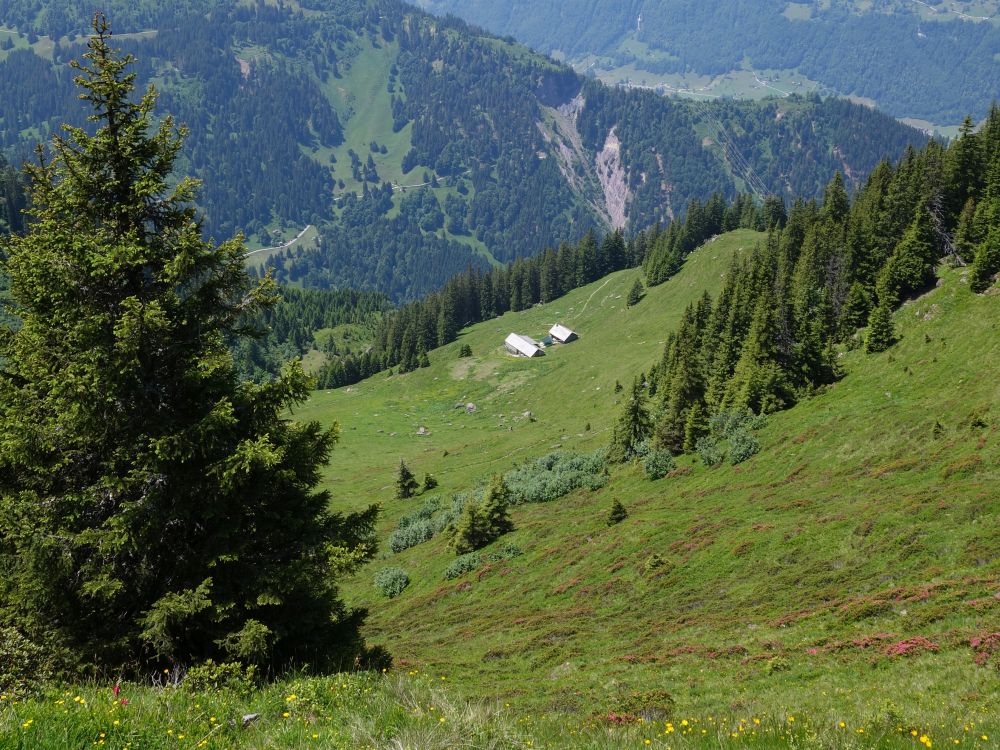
{"type": "Point", "coordinates": [915, 60]}
{"type": "Point", "coordinates": [831, 268]}
{"type": "Point", "coordinates": [281, 100]}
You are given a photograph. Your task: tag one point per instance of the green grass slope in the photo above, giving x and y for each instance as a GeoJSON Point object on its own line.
{"type": "Point", "coordinates": [846, 571]}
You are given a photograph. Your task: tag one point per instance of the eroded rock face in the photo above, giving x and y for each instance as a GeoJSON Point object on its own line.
{"type": "Point", "coordinates": [611, 173]}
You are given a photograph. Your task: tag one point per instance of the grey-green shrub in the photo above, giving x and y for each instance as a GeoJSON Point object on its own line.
{"type": "Point", "coordinates": [658, 464]}
{"type": "Point", "coordinates": [555, 475]}
{"type": "Point", "coordinates": [504, 551]}
{"type": "Point", "coordinates": [463, 564]}
{"type": "Point", "coordinates": [709, 451]}
{"type": "Point", "coordinates": [391, 581]}
{"type": "Point", "coordinates": [742, 446]}
{"type": "Point", "coordinates": [475, 560]}
{"type": "Point", "coordinates": [414, 533]}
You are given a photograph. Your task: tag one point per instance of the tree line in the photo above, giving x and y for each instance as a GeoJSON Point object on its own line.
{"type": "Point", "coordinates": [830, 268]}
{"type": "Point", "coordinates": [404, 337]}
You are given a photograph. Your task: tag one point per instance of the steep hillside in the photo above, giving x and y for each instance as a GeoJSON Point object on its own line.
{"type": "Point", "coordinates": [417, 146]}
{"type": "Point", "coordinates": [932, 61]}
{"type": "Point", "coordinates": [856, 554]}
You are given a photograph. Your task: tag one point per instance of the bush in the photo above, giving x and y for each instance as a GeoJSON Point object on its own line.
{"type": "Point", "coordinates": [709, 451]}
{"type": "Point", "coordinates": [650, 705]}
{"type": "Point", "coordinates": [414, 533]}
{"type": "Point", "coordinates": [741, 447]}
{"type": "Point", "coordinates": [391, 581]}
{"type": "Point", "coordinates": [504, 551]}
{"type": "Point", "coordinates": [658, 464]}
{"type": "Point", "coordinates": [24, 665]}
{"type": "Point", "coordinates": [556, 475]}
{"type": "Point", "coordinates": [211, 677]}
{"type": "Point", "coordinates": [475, 560]}
{"type": "Point", "coordinates": [463, 564]}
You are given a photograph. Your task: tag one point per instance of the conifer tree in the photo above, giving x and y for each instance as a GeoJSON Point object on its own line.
{"type": "Point", "coordinates": [406, 483]}
{"type": "Point", "coordinates": [880, 330]}
{"type": "Point", "coordinates": [484, 521]}
{"type": "Point", "coordinates": [632, 427]}
{"type": "Point", "coordinates": [695, 427]}
{"type": "Point", "coordinates": [617, 514]}
{"type": "Point", "coordinates": [635, 293]}
{"type": "Point", "coordinates": [153, 508]}
{"type": "Point", "coordinates": [986, 264]}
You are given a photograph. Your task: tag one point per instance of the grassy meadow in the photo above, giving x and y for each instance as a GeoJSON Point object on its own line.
{"type": "Point", "coordinates": [840, 589]}
{"type": "Point", "coordinates": [844, 572]}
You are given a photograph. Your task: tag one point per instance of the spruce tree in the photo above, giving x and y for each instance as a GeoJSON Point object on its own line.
{"type": "Point", "coordinates": [617, 514]}
{"type": "Point", "coordinates": [485, 521]}
{"type": "Point", "coordinates": [635, 293]}
{"type": "Point", "coordinates": [406, 483]}
{"type": "Point", "coordinates": [632, 427]}
{"type": "Point", "coordinates": [154, 509]}
{"type": "Point", "coordinates": [986, 264]}
{"type": "Point", "coordinates": [880, 331]}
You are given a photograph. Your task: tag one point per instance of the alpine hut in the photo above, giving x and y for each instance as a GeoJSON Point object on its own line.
{"type": "Point", "coordinates": [562, 334]}
{"type": "Point", "coordinates": [522, 346]}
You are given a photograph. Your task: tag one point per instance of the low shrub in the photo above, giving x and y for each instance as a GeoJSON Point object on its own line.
{"type": "Point", "coordinates": [742, 446]}
{"type": "Point", "coordinates": [556, 475]}
{"type": "Point", "coordinates": [411, 535]}
{"type": "Point", "coordinates": [649, 705]}
{"type": "Point", "coordinates": [391, 581]}
{"type": "Point", "coordinates": [463, 564]}
{"type": "Point", "coordinates": [709, 452]}
{"type": "Point", "coordinates": [24, 665]}
{"type": "Point", "coordinates": [658, 464]}
{"type": "Point", "coordinates": [212, 677]}
{"type": "Point", "coordinates": [504, 551]}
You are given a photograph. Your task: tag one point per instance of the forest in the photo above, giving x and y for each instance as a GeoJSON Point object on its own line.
{"type": "Point", "coordinates": [829, 269]}
{"type": "Point", "coordinates": [270, 96]}
{"type": "Point", "coordinates": [939, 70]}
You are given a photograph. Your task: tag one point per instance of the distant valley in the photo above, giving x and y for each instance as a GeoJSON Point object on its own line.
{"type": "Point", "coordinates": [930, 62]}
{"type": "Point", "coordinates": [419, 146]}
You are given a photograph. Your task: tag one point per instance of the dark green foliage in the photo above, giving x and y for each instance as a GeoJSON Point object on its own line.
{"type": "Point", "coordinates": [483, 521]}
{"type": "Point", "coordinates": [649, 705]}
{"type": "Point", "coordinates": [835, 47]}
{"type": "Point", "coordinates": [772, 336]}
{"type": "Point", "coordinates": [658, 464]}
{"type": "Point", "coordinates": [181, 519]}
{"type": "Point", "coordinates": [632, 427]}
{"type": "Point", "coordinates": [617, 514]}
{"type": "Point", "coordinates": [880, 331]}
{"type": "Point", "coordinates": [429, 483]}
{"type": "Point", "coordinates": [406, 483]}
{"type": "Point", "coordinates": [24, 666]}
{"type": "Point", "coordinates": [391, 582]}
{"type": "Point", "coordinates": [986, 264]}
{"type": "Point", "coordinates": [465, 351]}
{"type": "Point", "coordinates": [471, 107]}
{"type": "Point", "coordinates": [635, 294]}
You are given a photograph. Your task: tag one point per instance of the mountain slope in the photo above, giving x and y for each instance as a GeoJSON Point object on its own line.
{"type": "Point", "coordinates": [933, 61]}
{"type": "Point", "coordinates": [866, 521]}
{"type": "Point", "coordinates": [417, 145]}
